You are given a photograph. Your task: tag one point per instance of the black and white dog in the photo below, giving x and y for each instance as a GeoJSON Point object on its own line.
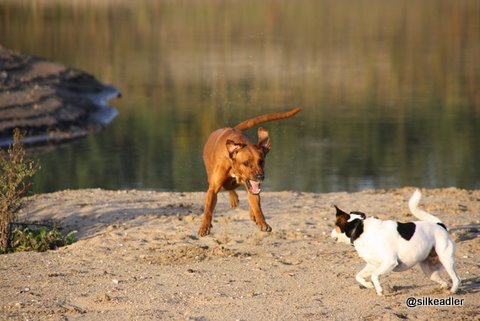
{"type": "Point", "coordinates": [392, 246]}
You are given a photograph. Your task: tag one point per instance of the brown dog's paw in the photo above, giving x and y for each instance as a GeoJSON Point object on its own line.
{"type": "Point", "coordinates": [265, 227]}
{"type": "Point", "coordinates": [233, 203]}
{"type": "Point", "coordinates": [204, 230]}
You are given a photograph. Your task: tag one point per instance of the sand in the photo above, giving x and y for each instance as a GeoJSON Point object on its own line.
{"type": "Point", "coordinates": [138, 257]}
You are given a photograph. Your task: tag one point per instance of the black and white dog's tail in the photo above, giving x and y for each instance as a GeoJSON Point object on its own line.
{"type": "Point", "coordinates": [418, 212]}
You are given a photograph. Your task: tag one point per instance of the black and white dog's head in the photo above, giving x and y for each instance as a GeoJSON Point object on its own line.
{"type": "Point", "coordinates": [348, 227]}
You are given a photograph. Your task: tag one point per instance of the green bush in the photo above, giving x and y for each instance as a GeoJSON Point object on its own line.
{"type": "Point", "coordinates": [15, 173]}
{"type": "Point", "coordinates": [40, 240]}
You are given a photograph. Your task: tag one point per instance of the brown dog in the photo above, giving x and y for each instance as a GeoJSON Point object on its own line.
{"type": "Point", "coordinates": [231, 160]}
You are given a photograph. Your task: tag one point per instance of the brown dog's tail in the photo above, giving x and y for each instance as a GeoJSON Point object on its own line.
{"type": "Point", "coordinates": [249, 123]}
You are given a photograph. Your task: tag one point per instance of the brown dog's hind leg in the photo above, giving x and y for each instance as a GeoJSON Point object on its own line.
{"type": "Point", "coordinates": [233, 199]}
{"type": "Point", "coordinates": [256, 213]}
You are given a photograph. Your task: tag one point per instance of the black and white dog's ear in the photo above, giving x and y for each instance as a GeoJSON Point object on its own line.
{"type": "Point", "coordinates": [359, 213]}
{"type": "Point", "coordinates": [339, 211]}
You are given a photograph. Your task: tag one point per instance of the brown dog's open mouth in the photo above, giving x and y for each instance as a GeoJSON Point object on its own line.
{"type": "Point", "coordinates": [254, 187]}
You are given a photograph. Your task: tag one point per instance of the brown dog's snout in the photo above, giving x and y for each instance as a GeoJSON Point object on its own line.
{"type": "Point", "coordinates": [260, 176]}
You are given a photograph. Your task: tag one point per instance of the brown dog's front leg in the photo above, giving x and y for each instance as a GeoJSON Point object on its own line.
{"type": "Point", "coordinates": [210, 202]}
{"type": "Point", "coordinates": [256, 213]}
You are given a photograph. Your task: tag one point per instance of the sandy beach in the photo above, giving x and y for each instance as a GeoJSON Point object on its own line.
{"type": "Point", "coordinates": [138, 257]}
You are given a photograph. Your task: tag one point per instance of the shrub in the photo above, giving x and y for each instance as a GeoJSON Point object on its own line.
{"type": "Point", "coordinates": [15, 173]}
{"type": "Point", "coordinates": [40, 239]}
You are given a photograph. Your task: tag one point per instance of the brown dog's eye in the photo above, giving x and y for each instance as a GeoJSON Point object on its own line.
{"type": "Point", "coordinates": [247, 163]}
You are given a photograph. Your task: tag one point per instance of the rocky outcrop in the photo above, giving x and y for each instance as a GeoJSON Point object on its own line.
{"type": "Point", "coordinates": [50, 102]}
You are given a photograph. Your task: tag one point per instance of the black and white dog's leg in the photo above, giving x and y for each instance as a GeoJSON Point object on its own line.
{"type": "Point", "coordinates": [386, 266]}
{"type": "Point", "coordinates": [433, 272]}
{"type": "Point", "coordinates": [445, 249]}
{"type": "Point", "coordinates": [365, 272]}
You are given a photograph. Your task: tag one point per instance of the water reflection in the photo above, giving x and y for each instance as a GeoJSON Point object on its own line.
{"type": "Point", "coordinates": [389, 89]}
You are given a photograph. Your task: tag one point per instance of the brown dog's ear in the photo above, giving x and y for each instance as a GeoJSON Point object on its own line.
{"type": "Point", "coordinates": [233, 147]}
{"type": "Point", "coordinates": [264, 140]}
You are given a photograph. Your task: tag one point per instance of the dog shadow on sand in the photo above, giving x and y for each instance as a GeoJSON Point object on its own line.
{"type": "Point", "coordinates": [470, 286]}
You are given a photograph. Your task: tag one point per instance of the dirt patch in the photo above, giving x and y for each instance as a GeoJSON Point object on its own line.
{"type": "Point", "coordinates": [192, 253]}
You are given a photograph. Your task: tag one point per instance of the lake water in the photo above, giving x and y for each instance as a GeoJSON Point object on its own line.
{"type": "Point", "coordinates": [390, 90]}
